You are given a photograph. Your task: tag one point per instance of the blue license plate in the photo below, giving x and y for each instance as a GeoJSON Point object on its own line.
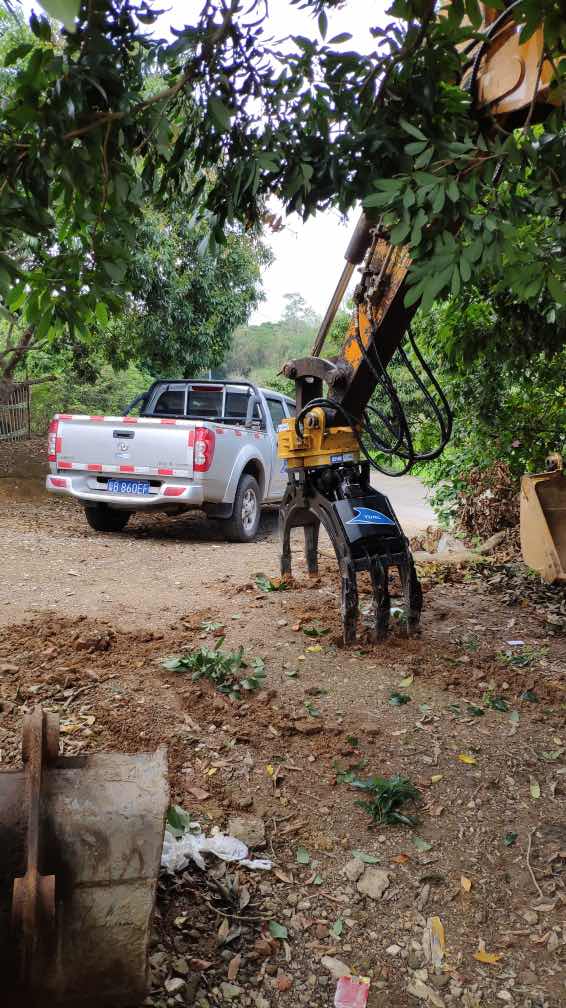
{"type": "Point", "coordinates": [127, 486]}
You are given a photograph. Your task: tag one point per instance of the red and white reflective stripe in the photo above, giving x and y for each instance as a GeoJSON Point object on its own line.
{"type": "Point", "coordinates": [168, 422]}
{"type": "Point", "coordinates": [191, 438]}
{"type": "Point", "coordinates": [98, 418]}
{"type": "Point", "coordinates": [174, 491]}
{"type": "Point", "coordinates": [98, 467]}
{"type": "Point", "coordinates": [238, 433]}
{"type": "Point", "coordinates": [58, 481]}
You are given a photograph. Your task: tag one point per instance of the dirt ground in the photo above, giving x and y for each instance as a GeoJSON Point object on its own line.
{"type": "Point", "coordinates": [86, 619]}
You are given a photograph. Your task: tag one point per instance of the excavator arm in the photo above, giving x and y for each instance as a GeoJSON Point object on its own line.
{"type": "Point", "coordinates": [328, 468]}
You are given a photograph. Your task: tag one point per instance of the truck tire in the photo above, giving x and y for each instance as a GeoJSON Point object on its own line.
{"type": "Point", "coordinates": [244, 523]}
{"type": "Point", "coordinates": [104, 519]}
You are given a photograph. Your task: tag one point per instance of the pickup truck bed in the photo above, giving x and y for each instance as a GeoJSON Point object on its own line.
{"type": "Point", "coordinates": [118, 465]}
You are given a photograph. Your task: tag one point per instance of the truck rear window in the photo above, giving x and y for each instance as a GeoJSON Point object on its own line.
{"type": "Point", "coordinates": [205, 402]}
{"type": "Point", "coordinates": [171, 401]}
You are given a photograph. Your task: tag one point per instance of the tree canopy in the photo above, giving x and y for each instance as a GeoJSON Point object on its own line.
{"type": "Point", "coordinates": [105, 118]}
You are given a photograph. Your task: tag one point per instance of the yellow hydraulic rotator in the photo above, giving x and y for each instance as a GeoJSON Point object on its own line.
{"type": "Point", "coordinates": [319, 445]}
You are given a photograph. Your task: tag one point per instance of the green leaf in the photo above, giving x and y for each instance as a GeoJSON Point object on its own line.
{"type": "Point", "coordinates": [510, 839]}
{"type": "Point", "coordinates": [557, 289]}
{"type": "Point", "coordinates": [322, 24]}
{"type": "Point", "coordinates": [378, 199]}
{"type": "Point", "coordinates": [413, 131]}
{"type": "Point", "coordinates": [63, 10]}
{"type": "Point", "coordinates": [360, 855]}
{"type": "Point", "coordinates": [400, 232]}
{"type": "Point", "coordinates": [101, 312]}
{"type": "Point", "coordinates": [303, 857]}
{"type": "Point", "coordinates": [178, 820]}
{"type": "Point", "coordinates": [398, 699]}
{"type": "Point", "coordinates": [420, 844]}
{"type": "Point", "coordinates": [416, 148]}
{"type": "Point", "coordinates": [453, 192]}
{"type": "Point", "coordinates": [219, 113]}
{"type": "Point", "coordinates": [116, 270]}
{"type": "Point", "coordinates": [337, 928]}
{"type": "Point", "coordinates": [277, 930]}
{"type": "Point", "coordinates": [338, 39]}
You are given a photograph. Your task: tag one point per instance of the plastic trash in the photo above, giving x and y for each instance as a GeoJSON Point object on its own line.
{"type": "Point", "coordinates": [177, 853]}
{"type": "Point", "coordinates": [352, 992]}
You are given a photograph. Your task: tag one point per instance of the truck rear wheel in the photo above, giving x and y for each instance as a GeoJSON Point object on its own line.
{"type": "Point", "coordinates": [244, 523]}
{"type": "Point", "coordinates": [104, 519]}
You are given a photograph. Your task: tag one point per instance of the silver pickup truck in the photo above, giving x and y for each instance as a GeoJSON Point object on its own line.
{"type": "Point", "coordinates": [210, 445]}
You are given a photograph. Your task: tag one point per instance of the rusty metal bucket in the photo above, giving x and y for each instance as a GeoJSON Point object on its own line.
{"type": "Point", "coordinates": [543, 521]}
{"type": "Point", "coordinates": [80, 848]}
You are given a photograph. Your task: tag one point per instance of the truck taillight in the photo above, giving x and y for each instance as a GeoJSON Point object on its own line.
{"type": "Point", "coordinates": [204, 449]}
{"type": "Point", "coordinates": [53, 441]}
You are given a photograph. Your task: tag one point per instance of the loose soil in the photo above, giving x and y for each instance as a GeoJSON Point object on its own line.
{"type": "Point", "coordinates": [85, 620]}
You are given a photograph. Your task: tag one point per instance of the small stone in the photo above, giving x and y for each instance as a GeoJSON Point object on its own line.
{"type": "Point", "coordinates": [181, 966]}
{"type": "Point", "coordinates": [8, 668]}
{"type": "Point", "coordinates": [304, 905]}
{"type": "Point", "coordinates": [310, 727]}
{"type": "Point", "coordinates": [336, 967]}
{"type": "Point", "coordinates": [354, 869]}
{"type": "Point", "coordinates": [373, 883]}
{"type": "Point", "coordinates": [504, 995]}
{"type": "Point", "coordinates": [440, 981]}
{"type": "Point", "coordinates": [393, 950]}
{"type": "Point", "coordinates": [293, 899]}
{"type": "Point", "coordinates": [230, 991]}
{"type": "Point", "coordinates": [530, 916]}
{"type": "Point", "coordinates": [175, 985]}
{"type": "Point", "coordinates": [528, 977]}
{"type": "Point", "coordinates": [283, 982]}
{"type": "Point", "coordinates": [249, 829]}
{"type": "Point", "coordinates": [245, 802]}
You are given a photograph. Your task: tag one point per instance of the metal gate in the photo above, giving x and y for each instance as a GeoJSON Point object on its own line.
{"type": "Point", "coordinates": [15, 413]}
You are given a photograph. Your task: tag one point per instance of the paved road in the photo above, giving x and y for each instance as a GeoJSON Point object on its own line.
{"type": "Point", "coordinates": [410, 500]}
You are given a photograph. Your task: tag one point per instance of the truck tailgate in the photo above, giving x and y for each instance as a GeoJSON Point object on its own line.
{"type": "Point", "coordinates": [140, 445]}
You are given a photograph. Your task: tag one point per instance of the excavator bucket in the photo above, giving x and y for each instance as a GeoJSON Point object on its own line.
{"type": "Point", "coordinates": [80, 848]}
{"type": "Point", "coordinates": [543, 521]}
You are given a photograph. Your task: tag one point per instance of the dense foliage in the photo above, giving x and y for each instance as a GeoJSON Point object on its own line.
{"type": "Point", "coordinates": [107, 117]}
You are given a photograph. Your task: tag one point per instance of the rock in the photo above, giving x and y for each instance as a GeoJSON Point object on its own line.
{"type": "Point", "coordinates": [530, 916]}
{"type": "Point", "coordinates": [354, 869]}
{"type": "Point", "coordinates": [283, 982]}
{"type": "Point", "coordinates": [230, 991]}
{"type": "Point", "coordinates": [448, 544]}
{"type": "Point", "coordinates": [370, 729]}
{"type": "Point", "coordinates": [504, 995]}
{"type": "Point", "coordinates": [249, 829]}
{"type": "Point", "coordinates": [308, 727]}
{"type": "Point", "coordinates": [418, 989]}
{"type": "Point", "coordinates": [393, 950]}
{"type": "Point", "coordinates": [245, 802]}
{"type": "Point", "coordinates": [336, 967]}
{"type": "Point", "coordinates": [180, 966]}
{"type": "Point", "coordinates": [373, 883]}
{"type": "Point", "coordinates": [528, 977]}
{"type": "Point", "coordinates": [175, 985]}
{"type": "Point", "coordinates": [8, 668]}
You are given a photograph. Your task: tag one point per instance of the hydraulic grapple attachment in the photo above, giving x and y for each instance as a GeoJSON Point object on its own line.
{"type": "Point", "coordinates": [364, 532]}
{"type": "Point", "coordinates": [80, 847]}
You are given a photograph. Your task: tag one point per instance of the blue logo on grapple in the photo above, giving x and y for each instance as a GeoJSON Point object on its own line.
{"type": "Point", "coordinates": [367, 516]}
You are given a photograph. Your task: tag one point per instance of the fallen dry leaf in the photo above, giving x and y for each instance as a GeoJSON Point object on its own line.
{"type": "Point", "coordinates": [198, 793]}
{"type": "Point", "coordinates": [468, 760]}
{"type": "Point", "coordinates": [466, 883]}
{"type": "Point", "coordinates": [401, 858]}
{"type": "Point", "coordinates": [491, 958]}
{"type": "Point", "coordinates": [234, 966]}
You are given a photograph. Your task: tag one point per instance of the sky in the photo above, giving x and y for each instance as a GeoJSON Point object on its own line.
{"type": "Point", "coordinates": [308, 258]}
